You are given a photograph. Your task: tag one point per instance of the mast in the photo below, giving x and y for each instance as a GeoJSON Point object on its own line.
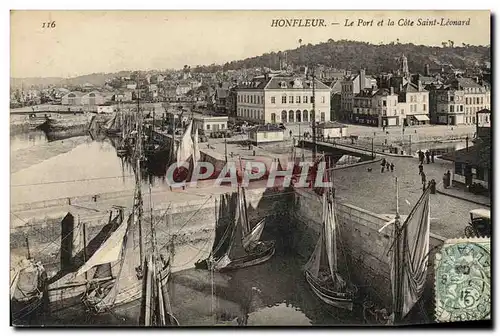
{"type": "Point", "coordinates": [398, 302]}
{"type": "Point", "coordinates": [138, 178]}
{"type": "Point", "coordinates": [314, 112]}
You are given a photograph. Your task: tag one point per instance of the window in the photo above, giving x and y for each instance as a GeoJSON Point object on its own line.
{"type": "Point", "coordinates": [452, 108]}
{"type": "Point", "coordinates": [273, 100]}
{"type": "Point", "coordinates": [290, 99]}
{"type": "Point", "coordinates": [322, 99]}
{"type": "Point", "coordinates": [305, 99]}
{"type": "Point", "coordinates": [424, 107]}
{"type": "Point", "coordinates": [452, 98]}
{"type": "Point", "coordinates": [461, 108]}
{"type": "Point", "coordinates": [312, 99]}
{"type": "Point", "coordinates": [402, 111]}
{"type": "Point", "coordinates": [297, 99]}
{"type": "Point", "coordinates": [208, 126]}
{"type": "Point", "coordinates": [283, 100]}
{"type": "Point", "coordinates": [222, 126]}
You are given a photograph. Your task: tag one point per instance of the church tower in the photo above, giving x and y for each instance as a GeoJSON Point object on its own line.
{"type": "Point", "coordinates": [403, 67]}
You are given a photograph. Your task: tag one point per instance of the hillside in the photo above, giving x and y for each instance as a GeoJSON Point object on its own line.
{"type": "Point", "coordinates": [374, 58]}
{"type": "Point", "coordinates": [98, 79]}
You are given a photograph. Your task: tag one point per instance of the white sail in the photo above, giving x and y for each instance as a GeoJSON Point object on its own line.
{"type": "Point", "coordinates": [109, 251]}
{"type": "Point", "coordinates": [415, 248]}
{"type": "Point", "coordinates": [185, 149]}
{"type": "Point", "coordinates": [196, 149]}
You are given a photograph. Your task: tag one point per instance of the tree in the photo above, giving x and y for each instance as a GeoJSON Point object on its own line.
{"type": "Point", "coordinates": [445, 44]}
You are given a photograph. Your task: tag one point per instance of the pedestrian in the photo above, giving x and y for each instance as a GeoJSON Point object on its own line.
{"type": "Point", "coordinates": [428, 156]}
{"type": "Point", "coordinates": [291, 133]}
{"type": "Point", "coordinates": [420, 169]}
{"type": "Point", "coordinates": [382, 165]}
{"type": "Point", "coordinates": [388, 166]}
{"type": "Point", "coordinates": [448, 179]}
{"type": "Point", "coordinates": [424, 180]}
{"type": "Point", "coordinates": [328, 138]}
{"type": "Point", "coordinates": [445, 181]}
{"type": "Point", "coordinates": [392, 167]}
{"type": "Point", "coordinates": [432, 156]}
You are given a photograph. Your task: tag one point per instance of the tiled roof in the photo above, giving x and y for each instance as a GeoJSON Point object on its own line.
{"type": "Point", "coordinates": [409, 87]}
{"type": "Point", "coordinates": [467, 82]}
{"type": "Point", "coordinates": [366, 93]}
{"type": "Point", "coordinates": [275, 83]}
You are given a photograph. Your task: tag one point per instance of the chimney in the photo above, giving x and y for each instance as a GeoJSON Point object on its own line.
{"type": "Point", "coordinates": [362, 79]}
{"type": "Point", "coordinates": [419, 85]}
{"type": "Point", "coordinates": [392, 90]}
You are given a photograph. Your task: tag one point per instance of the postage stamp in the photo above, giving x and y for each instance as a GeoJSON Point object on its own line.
{"type": "Point", "coordinates": [462, 281]}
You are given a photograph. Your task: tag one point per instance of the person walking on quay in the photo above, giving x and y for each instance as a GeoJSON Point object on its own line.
{"type": "Point", "coordinates": [382, 165]}
{"type": "Point", "coordinates": [445, 181]}
{"type": "Point", "coordinates": [291, 133]}
{"type": "Point", "coordinates": [388, 166]}
{"type": "Point", "coordinates": [428, 156]}
{"type": "Point", "coordinates": [433, 153]}
{"type": "Point", "coordinates": [421, 156]}
{"type": "Point", "coordinates": [392, 167]}
{"type": "Point", "coordinates": [424, 180]}
{"type": "Point", "coordinates": [420, 169]}
{"type": "Point", "coordinates": [448, 179]}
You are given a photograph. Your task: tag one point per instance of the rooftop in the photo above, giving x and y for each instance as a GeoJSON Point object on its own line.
{"type": "Point", "coordinates": [331, 124]}
{"type": "Point", "coordinates": [266, 128]}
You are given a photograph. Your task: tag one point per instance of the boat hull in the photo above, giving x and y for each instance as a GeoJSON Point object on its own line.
{"type": "Point", "coordinates": [251, 259]}
{"type": "Point", "coordinates": [22, 311]}
{"type": "Point", "coordinates": [343, 300]}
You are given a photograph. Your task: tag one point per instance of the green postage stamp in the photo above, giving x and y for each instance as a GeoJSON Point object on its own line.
{"type": "Point", "coordinates": [462, 280]}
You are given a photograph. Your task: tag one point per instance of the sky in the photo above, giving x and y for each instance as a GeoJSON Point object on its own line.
{"type": "Point", "coordinates": [84, 42]}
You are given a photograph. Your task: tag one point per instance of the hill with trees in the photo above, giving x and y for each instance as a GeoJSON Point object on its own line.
{"type": "Point", "coordinates": [374, 58]}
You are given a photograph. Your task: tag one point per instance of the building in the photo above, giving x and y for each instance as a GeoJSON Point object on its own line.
{"type": "Point", "coordinates": [350, 86]}
{"type": "Point", "coordinates": [335, 98]}
{"type": "Point", "coordinates": [282, 99]}
{"type": "Point", "coordinates": [72, 98]}
{"type": "Point", "coordinates": [413, 104]}
{"type": "Point", "coordinates": [476, 97]}
{"type": "Point", "coordinates": [331, 130]}
{"type": "Point", "coordinates": [210, 124]}
{"type": "Point", "coordinates": [123, 96]}
{"type": "Point", "coordinates": [107, 108]}
{"type": "Point", "coordinates": [472, 166]}
{"type": "Point", "coordinates": [265, 134]}
{"type": "Point", "coordinates": [458, 102]}
{"type": "Point", "coordinates": [94, 98]}
{"type": "Point", "coordinates": [376, 107]}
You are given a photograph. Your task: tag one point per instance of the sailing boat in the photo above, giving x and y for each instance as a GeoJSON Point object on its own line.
{"type": "Point", "coordinates": [410, 256]}
{"type": "Point", "coordinates": [111, 128]}
{"type": "Point", "coordinates": [239, 245]}
{"type": "Point", "coordinates": [120, 256]}
{"type": "Point", "coordinates": [156, 309]}
{"type": "Point", "coordinates": [27, 289]}
{"type": "Point", "coordinates": [321, 270]}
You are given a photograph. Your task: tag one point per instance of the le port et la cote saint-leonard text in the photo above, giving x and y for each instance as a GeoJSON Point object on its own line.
{"type": "Point", "coordinates": [360, 22]}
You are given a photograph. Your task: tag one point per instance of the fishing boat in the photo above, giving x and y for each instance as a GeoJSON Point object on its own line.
{"type": "Point", "coordinates": [66, 288]}
{"type": "Point", "coordinates": [321, 271]}
{"type": "Point", "coordinates": [237, 244]}
{"type": "Point", "coordinates": [410, 255]}
{"type": "Point", "coordinates": [27, 289]}
{"type": "Point", "coordinates": [156, 309]}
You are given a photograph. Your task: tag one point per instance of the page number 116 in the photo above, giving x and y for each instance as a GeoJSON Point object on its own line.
{"type": "Point", "coordinates": [50, 24]}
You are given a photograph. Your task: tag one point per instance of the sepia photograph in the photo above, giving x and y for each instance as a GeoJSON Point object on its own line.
{"type": "Point", "coordinates": [290, 168]}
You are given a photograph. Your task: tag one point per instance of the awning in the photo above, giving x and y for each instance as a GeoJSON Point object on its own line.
{"type": "Point", "coordinates": [422, 117]}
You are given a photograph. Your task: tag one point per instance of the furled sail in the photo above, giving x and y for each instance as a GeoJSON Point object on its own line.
{"type": "Point", "coordinates": [111, 122]}
{"type": "Point", "coordinates": [185, 149]}
{"type": "Point", "coordinates": [415, 246]}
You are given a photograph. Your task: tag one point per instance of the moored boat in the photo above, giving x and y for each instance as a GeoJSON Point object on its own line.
{"type": "Point", "coordinates": [27, 289]}
{"type": "Point", "coordinates": [321, 271]}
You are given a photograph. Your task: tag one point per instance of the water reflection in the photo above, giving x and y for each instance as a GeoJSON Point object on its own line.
{"type": "Point", "coordinates": [26, 140]}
